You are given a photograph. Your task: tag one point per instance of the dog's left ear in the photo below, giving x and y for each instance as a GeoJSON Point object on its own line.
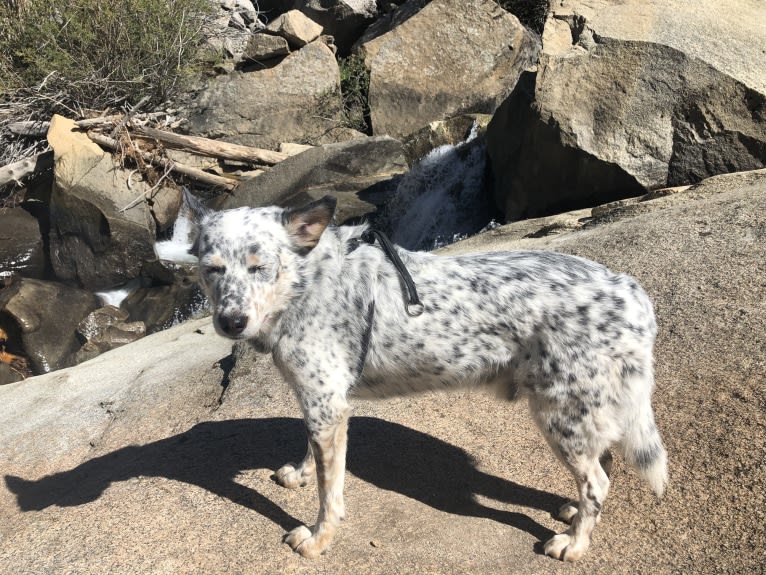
{"type": "Point", "coordinates": [305, 225]}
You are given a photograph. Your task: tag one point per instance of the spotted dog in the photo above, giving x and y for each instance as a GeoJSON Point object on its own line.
{"type": "Point", "coordinates": [566, 333]}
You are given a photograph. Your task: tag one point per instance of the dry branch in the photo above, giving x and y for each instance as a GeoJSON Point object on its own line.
{"type": "Point", "coordinates": [17, 171]}
{"type": "Point", "coordinates": [214, 148]}
{"type": "Point", "coordinates": [194, 173]}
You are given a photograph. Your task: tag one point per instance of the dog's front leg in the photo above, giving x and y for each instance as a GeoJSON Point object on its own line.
{"type": "Point", "coordinates": [327, 428]}
{"type": "Point", "coordinates": [293, 476]}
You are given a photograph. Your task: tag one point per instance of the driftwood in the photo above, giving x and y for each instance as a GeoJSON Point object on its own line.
{"type": "Point", "coordinates": [17, 171]}
{"type": "Point", "coordinates": [194, 173]}
{"type": "Point", "coordinates": [39, 128]}
{"type": "Point", "coordinates": [207, 147]}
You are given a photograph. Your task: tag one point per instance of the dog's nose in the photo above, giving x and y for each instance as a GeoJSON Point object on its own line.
{"type": "Point", "coordinates": [233, 325]}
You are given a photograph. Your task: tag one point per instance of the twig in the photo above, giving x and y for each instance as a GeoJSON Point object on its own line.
{"type": "Point", "coordinates": [194, 173]}
{"type": "Point", "coordinates": [143, 196]}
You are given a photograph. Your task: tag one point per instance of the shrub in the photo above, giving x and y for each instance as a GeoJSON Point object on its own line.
{"type": "Point", "coordinates": [355, 90]}
{"type": "Point", "coordinates": [94, 54]}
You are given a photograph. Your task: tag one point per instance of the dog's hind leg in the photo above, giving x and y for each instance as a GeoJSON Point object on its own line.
{"type": "Point", "coordinates": [327, 440]}
{"type": "Point", "coordinates": [293, 476]}
{"type": "Point", "coordinates": [568, 511]}
{"type": "Point", "coordinates": [592, 487]}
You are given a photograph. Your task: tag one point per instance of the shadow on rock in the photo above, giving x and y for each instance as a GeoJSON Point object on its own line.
{"type": "Point", "coordinates": [211, 455]}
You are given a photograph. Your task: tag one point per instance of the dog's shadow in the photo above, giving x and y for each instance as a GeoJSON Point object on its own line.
{"type": "Point", "coordinates": [211, 455]}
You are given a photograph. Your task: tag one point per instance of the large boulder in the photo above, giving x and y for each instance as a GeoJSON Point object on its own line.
{"type": "Point", "coordinates": [626, 96]}
{"type": "Point", "coordinates": [437, 59]}
{"type": "Point", "coordinates": [44, 316]}
{"type": "Point", "coordinates": [95, 242]}
{"type": "Point", "coordinates": [360, 173]}
{"type": "Point", "coordinates": [157, 452]}
{"type": "Point", "coordinates": [297, 100]}
{"type": "Point", "coordinates": [21, 244]}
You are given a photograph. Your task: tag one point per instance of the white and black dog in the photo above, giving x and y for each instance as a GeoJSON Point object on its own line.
{"type": "Point", "coordinates": [341, 319]}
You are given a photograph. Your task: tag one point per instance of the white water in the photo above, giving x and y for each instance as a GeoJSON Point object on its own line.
{"type": "Point", "coordinates": [176, 249]}
{"type": "Point", "coordinates": [442, 198]}
{"type": "Point", "coordinates": [117, 295]}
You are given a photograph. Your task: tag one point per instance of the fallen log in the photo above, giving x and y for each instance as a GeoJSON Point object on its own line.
{"type": "Point", "coordinates": [207, 147]}
{"type": "Point", "coordinates": [17, 171]}
{"type": "Point", "coordinates": [194, 173]}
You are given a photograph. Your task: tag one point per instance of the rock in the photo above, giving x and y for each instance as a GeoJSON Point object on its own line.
{"type": "Point", "coordinates": [46, 316]}
{"type": "Point", "coordinates": [265, 47]}
{"type": "Point", "coordinates": [344, 20]}
{"type": "Point", "coordinates": [359, 173]}
{"type": "Point", "coordinates": [171, 296]}
{"type": "Point", "coordinates": [635, 100]}
{"type": "Point", "coordinates": [443, 133]}
{"type": "Point", "coordinates": [104, 329]}
{"type": "Point", "coordinates": [21, 244]}
{"type": "Point", "coordinates": [173, 434]}
{"type": "Point", "coordinates": [93, 242]}
{"type": "Point", "coordinates": [292, 148]}
{"type": "Point", "coordinates": [442, 58]}
{"type": "Point", "coordinates": [295, 100]}
{"type": "Point", "coordinates": [296, 28]}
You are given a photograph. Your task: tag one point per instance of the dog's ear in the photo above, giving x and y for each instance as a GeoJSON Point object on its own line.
{"type": "Point", "coordinates": [193, 210]}
{"type": "Point", "coordinates": [305, 225]}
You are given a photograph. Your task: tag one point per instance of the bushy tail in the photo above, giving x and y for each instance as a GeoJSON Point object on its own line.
{"type": "Point", "coordinates": [644, 452]}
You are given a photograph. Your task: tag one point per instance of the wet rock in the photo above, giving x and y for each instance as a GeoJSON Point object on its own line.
{"type": "Point", "coordinates": [44, 316]}
{"type": "Point", "coordinates": [21, 244]}
{"type": "Point", "coordinates": [104, 329]}
{"type": "Point", "coordinates": [171, 296]}
{"type": "Point", "coordinates": [443, 133]}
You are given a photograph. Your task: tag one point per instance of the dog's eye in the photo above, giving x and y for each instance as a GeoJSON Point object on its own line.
{"type": "Point", "coordinates": [254, 269]}
{"type": "Point", "coordinates": [214, 270]}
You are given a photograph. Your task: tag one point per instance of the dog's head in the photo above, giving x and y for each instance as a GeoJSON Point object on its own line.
{"type": "Point", "coordinates": [251, 261]}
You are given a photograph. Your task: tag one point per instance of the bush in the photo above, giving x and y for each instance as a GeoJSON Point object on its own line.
{"type": "Point", "coordinates": [94, 54]}
{"type": "Point", "coordinates": [355, 90]}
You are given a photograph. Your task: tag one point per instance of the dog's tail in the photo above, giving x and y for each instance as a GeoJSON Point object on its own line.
{"type": "Point", "coordinates": [643, 449]}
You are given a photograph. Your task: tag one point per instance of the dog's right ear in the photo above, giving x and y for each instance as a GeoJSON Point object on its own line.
{"type": "Point", "coordinates": [305, 225]}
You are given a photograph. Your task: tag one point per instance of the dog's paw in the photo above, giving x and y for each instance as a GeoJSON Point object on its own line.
{"type": "Point", "coordinates": [291, 477]}
{"type": "Point", "coordinates": [567, 511]}
{"type": "Point", "coordinates": [566, 547]}
{"type": "Point", "coordinates": [306, 543]}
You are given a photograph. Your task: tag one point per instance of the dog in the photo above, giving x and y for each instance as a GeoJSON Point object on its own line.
{"type": "Point", "coordinates": [335, 313]}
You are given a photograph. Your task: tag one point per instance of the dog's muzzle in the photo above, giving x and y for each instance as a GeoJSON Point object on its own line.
{"type": "Point", "coordinates": [232, 325]}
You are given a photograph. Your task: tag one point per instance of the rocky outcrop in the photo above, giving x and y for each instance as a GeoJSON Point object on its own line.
{"type": "Point", "coordinates": [437, 59]}
{"type": "Point", "coordinates": [95, 242]}
{"type": "Point", "coordinates": [358, 172]}
{"type": "Point", "coordinates": [43, 317]}
{"type": "Point", "coordinates": [22, 249]}
{"type": "Point", "coordinates": [295, 100]}
{"type": "Point", "coordinates": [627, 97]}
{"type": "Point", "coordinates": [160, 450]}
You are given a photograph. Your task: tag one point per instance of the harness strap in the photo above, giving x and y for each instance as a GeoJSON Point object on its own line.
{"type": "Point", "coordinates": [414, 305]}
